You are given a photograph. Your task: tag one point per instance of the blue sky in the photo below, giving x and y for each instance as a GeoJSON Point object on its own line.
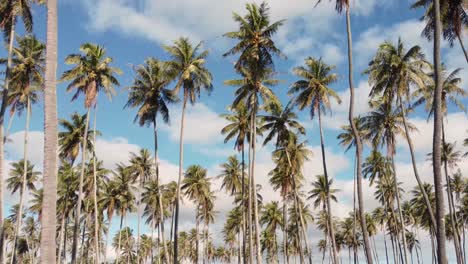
{"type": "Point", "coordinates": [134, 30]}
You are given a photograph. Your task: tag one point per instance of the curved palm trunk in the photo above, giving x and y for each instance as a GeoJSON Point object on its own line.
{"type": "Point", "coordinates": [330, 215]}
{"type": "Point", "coordinates": [453, 220]}
{"type": "Point", "coordinates": [2, 120]}
{"type": "Point", "coordinates": [95, 191]}
{"type": "Point", "coordinates": [365, 233]}
{"type": "Point", "coordinates": [463, 47]}
{"type": "Point", "coordinates": [19, 218]}
{"type": "Point", "coordinates": [436, 139]}
{"type": "Point", "coordinates": [400, 214]}
{"type": "Point", "coordinates": [254, 189]}
{"type": "Point", "coordinates": [181, 164]}
{"type": "Point", "coordinates": [76, 228]}
{"type": "Point", "coordinates": [413, 161]}
{"type": "Point", "coordinates": [161, 209]}
{"type": "Point", "coordinates": [109, 216]}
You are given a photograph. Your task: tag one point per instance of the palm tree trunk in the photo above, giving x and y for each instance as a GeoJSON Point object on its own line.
{"type": "Point", "coordinates": [254, 188]}
{"type": "Point", "coordinates": [243, 207]}
{"type": "Point", "coordinates": [95, 191]}
{"type": "Point", "coordinates": [413, 161]}
{"type": "Point", "coordinates": [301, 251]}
{"type": "Point", "coordinates": [453, 220]}
{"type": "Point", "coordinates": [400, 214]}
{"type": "Point", "coordinates": [285, 231]}
{"type": "Point", "coordinates": [385, 245]}
{"type": "Point", "coordinates": [239, 247]}
{"type": "Point", "coordinates": [76, 228]}
{"type": "Point", "coordinates": [197, 235]}
{"type": "Point", "coordinates": [25, 180]}
{"type": "Point", "coordinates": [161, 209]}
{"type": "Point", "coordinates": [357, 137]}
{"type": "Point", "coordinates": [375, 249]}
{"type": "Point", "coordinates": [109, 216]}
{"type": "Point", "coordinates": [61, 238]}
{"type": "Point", "coordinates": [330, 215]}
{"type": "Point", "coordinates": [181, 164]}
{"type": "Point", "coordinates": [139, 219]}
{"type": "Point", "coordinates": [2, 120]}
{"type": "Point", "coordinates": [120, 238]}
{"type": "Point", "coordinates": [436, 140]}
{"type": "Point", "coordinates": [462, 46]}
{"type": "Point", "coordinates": [354, 213]}
{"type": "Point", "coordinates": [251, 254]}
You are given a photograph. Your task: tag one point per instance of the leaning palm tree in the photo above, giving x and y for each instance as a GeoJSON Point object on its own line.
{"type": "Point", "coordinates": [188, 64]}
{"type": "Point", "coordinates": [23, 180]}
{"type": "Point", "coordinates": [453, 20]}
{"type": "Point", "coordinates": [341, 5]}
{"type": "Point", "coordinates": [91, 74]}
{"type": "Point", "coordinates": [393, 72]}
{"type": "Point", "coordinates": [149, 93]}
{"type": "Point", "coordinates": [48, 245]}
{"type": "Point", "coordinates": [313, 92]}
{"type": "Point", "coordinates": [255, 63]}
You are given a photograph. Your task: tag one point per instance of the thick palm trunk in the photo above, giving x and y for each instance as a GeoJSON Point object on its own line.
{"type": "Point", "coordinates": [19, 218]}
{"type": "Point", "coordinates": [463, 47]}
{"type": "Point", "coordinates": [400, 214]}
{"type": "Point", "coordinates": [181, 164]}
{"type": "Point", "coordinates": [95, 191]}
{"type": "Point", "coordinates": [76, 228]}
{"type": "Point", "coordinates": [453, 220]}
{"type": "Point", "coordinates": [2, 141]}
{"type": "Point", "coordinates": [109, 216]}
{"type": "Point", "coordinates": [243, 207]}
{"type": "Point", "coordinates": [328, 203]}
{"type": "Point", "coordinates": [254, 188]}
{"type": "Point", "coordinates": [357, 137]}
{"type": "Point", "coordinates": [436, 140]}
{"type": "Point", "coordinates": [285, 231]}
{"type": "Point", "coordinates": [161, 209]}
{"type": "Point", "coordinates": [413, 161]}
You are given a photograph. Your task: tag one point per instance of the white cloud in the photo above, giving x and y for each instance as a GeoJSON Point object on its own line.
{"type": "Point", "coordinates": [15, 147]}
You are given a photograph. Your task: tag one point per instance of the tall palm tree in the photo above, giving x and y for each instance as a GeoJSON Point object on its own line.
{"type": "Point", "coordinates": [188, 64]}
{"type": "Point", "coordinates": [10, 12]}
{"type": "Point", "coordinates": [271, 217]}
{"type": "Point", "coordinates": [23, 180]}
{"type": "Point", "coordinates": [453, 19]}
{"type": "Point", "coordinates": [255, 63]}
{"type": "Point", "coordinates": [110, 202]}
{"type": "Point", "coordinates": [149, 93]}
{"type": "Point", "coordinates": [341, 5]}
{"type": "Point", "coordinates": [91, 74]}
{"type": "Point", "coordinates": [313, 92]}
{"type": "Point", "coordinates": [196, 187]}
{"type": "Point", "coordinates": [392, 73]}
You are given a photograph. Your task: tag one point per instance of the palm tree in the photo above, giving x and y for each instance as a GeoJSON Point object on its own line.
{"type": "Point", "coordinates": [392, 73]}
{"type": "Point", "coordinates": [23, 180]}
{"type": "Point", "coordinates": [111, 203]}
{"type": "Point", "coordinates": [271, 217]}
{"type": "Point", "coordinates": [255, 63]}
{"type": "Point", "coordinates": [313, 91]}
{"type": "Point", "coordinates": [91, 74]}
{"type": "Point", "coordinates": [339, 6]}
{"type": "Point", "coordinates": [453, 20]}
{"type": "Point", "coordinates": [188, 65]}
{"type": "Point", "coordinates": [10, 12]}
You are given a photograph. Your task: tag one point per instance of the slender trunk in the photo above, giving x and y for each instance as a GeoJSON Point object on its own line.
{"type": "Point", "coordinates": [95, 192]}
{"type": "Point", "coordinates": [325, 172]}
{"type": "Point", "coordinates": [354, 213]}
{"type": "Point", "coordinates": [139, 219]}
{"type": "Point", "coordinates": [436, 140]}
{"type": "Point", "coordinates": [120, 238]}
{"type": "Point", "coordinates": [83, 237]}
{"type": "Point", "coordinates": [375, 249]}
{"type": "Point", "coordinates": [181, 164]}
{"type": "Point", "coordinates": [251, 254]}
{"type": "Point", "coordinates": [385, 244]}
{"type": "Point", "coordinates": [254, 187]}
{"type": "Point", "coordinates": [357, 137]}
{"type": "Point", "coordinates": [462, 46]}
{"type": "Point", "coordinates": [417, 255]}
{"type": "Point", "coordinates": [161, 209]}
{"type": "Point", "coordinates": [243, 207]}
{"type": "Point", "coordinates": [285, 231]}
{"type": "Point", "coordinates": [109, 216]}
{"type": "Point", "coordinates": [239, 247]}
{"type": "Point", "coordinates": [301, 252]}
{"type": "Point", "coordinates": [24, 182]}
{"type": "Point", "coordinates": [10, 123]}
{"type": "Point", "coordinates": [197, 235]}
{"type": "Point", "coordinates": [2, 120]}
{"type": "Point", "coordinates": [76, 228]}
{"type": "Point", "coordinates": [453, 220]}
{"type": "Point", "coordinates": [61, 238]}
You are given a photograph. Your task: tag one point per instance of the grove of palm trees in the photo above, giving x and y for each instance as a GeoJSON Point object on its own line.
{"type": "Point", "coordinates": [123, 141]}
